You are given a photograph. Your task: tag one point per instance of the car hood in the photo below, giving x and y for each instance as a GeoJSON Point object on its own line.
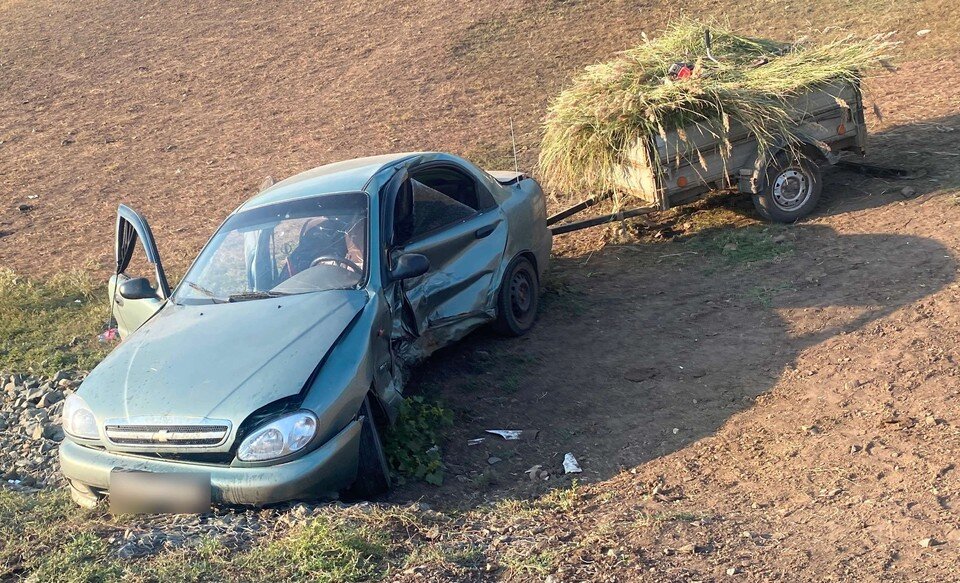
{"type": "Point", "coordinates": [219, 361]}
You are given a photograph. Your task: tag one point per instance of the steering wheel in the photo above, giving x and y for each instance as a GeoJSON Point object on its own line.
{"type": "Point", "coordinates": [341, 261]}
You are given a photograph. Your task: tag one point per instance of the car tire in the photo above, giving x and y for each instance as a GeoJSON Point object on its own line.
{"type": "Point", "coordinates": [518, 298]}
{"type": "Point", "coordinates": [373, 470]}
{"type": "Point", "coordinates": [83, 496]}
{"type": "Point", "coordinates": [792, 188]}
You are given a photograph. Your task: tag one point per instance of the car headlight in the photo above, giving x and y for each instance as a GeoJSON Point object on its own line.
{"type": "Point", "coordinates": [78, 419]}
{"type": "Point", "coordinates": [278, 438]}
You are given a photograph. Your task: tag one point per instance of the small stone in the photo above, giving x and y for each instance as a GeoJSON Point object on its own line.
{"type": "Point", "coordinates": [928, 542]}
{"type": "Point", "coordinates": [53, 431]}
{"type": "Point", "coordinates": [931, 420]}
{"type": "Point", "coordinates": [908, 191]}
{"type": "Point", "coordinates": [732, 571]}
{"type": "Point", "coordinates": [923, 32]}
{"type": "Point", "coordinates": [688, 549]}
{"type": "Point", "coordinates": [854, 448]}
{"type": "Point", "coordinates": [61, 375]}
{"type": "Point", "coordinates": [50, 398]}
{"type": "Point", "coordinates": [34, 395]}
{"type": "Point", "coordinates": [35, 431]}
{"type": "Point", "coordinates": [493, 460]}
{"type": "Point", "coordinates": [24, 208]}
{"type": "Point", "coordinates": [730, 247]}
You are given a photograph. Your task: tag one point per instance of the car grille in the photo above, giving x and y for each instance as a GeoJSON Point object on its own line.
{"type": "Point", "coordinates": [168, 435]}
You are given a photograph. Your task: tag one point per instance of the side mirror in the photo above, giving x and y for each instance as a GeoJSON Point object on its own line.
{"type": "Point", "coordinates": [137, 289]}
{"type": "Point", "coordinates": [410, 265]}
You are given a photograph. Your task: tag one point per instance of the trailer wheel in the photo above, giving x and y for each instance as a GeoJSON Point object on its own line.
{"type": "Point", "coordinates": [792, 188]}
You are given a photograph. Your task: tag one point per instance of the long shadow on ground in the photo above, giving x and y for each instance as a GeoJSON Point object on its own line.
{"type": "Point", "coordinates": [642, 350]}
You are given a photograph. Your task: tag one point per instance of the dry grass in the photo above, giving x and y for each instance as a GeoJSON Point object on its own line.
{"type": "Point", "coordinates": [611, 107]}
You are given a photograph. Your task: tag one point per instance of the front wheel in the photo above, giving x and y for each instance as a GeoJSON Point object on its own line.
{"type": "Point", "coordinates": [373, 470]}
{"type": "Point", "coordinates": [792, 190]}
{"type": "Point", "coordinates": [518, 298]}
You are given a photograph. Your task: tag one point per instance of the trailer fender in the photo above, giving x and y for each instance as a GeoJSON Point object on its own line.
{"type": "Point", "coordinates": [752, 178]}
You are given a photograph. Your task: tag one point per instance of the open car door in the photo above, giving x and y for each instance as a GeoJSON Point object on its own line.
{"type": "Point", "coordinates": [135, 298]}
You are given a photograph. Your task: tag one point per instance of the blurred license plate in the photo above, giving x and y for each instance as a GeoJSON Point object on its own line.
{"type": "Point", "coordinates": [157, 493]}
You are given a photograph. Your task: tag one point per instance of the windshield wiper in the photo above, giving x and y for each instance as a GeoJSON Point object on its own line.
{"type": "Point", "coordinates": [255, 295]}
{"type": "Point", "coordinates": [206, 292]}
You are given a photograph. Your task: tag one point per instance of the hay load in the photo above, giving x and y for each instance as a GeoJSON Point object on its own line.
{"type": "Point", "coordinates": [598, 131]}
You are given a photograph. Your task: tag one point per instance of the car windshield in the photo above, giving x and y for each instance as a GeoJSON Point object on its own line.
{"type": "Point", "coordinates": [294, 247]}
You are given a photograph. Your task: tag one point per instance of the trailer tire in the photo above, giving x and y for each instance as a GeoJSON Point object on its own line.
{"type": "Point", "coordinates": [518, 298]}
{"type": "Point", "coordinates": [792, 187]}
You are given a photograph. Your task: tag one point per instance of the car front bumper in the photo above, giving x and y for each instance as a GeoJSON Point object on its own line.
{"type": "Point", "coordinates": [325, 470]}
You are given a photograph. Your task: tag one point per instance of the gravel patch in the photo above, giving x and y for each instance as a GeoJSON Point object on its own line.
{"type": "Point", "coordinates": [31, 431]}
{"type": "Point", "coordinates": [30, 428]}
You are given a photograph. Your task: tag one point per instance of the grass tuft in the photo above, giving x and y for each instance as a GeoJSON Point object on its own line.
{"type": "Point", "coordinates": [743, 246]}
{"type": "Point", "coordinates": [412, 443]}
{"type": "Point", "coordinates": [51, 325]}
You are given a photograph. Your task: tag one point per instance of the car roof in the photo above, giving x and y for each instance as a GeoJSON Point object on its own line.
{"type": "Point", "coordinates": [345, 176]}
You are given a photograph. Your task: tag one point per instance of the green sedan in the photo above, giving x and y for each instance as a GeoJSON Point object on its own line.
{"type": "Point", "coordinates": [270, 371]}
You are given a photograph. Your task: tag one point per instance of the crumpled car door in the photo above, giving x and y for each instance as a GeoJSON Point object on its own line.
{"type": "Point", "coordinates": [464, 255]}
{"type": "Point", "coordinates": [130, 314]}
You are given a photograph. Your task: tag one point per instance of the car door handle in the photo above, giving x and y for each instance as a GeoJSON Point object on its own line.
{"type": "Point", "coordinates": [484, 231]}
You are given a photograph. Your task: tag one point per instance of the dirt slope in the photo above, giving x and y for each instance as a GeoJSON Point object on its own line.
{"type": "Point", "coordinates": [182, 110]}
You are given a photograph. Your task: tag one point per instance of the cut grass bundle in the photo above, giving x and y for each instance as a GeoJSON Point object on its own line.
{"type": "Point", "coordinates": [614, 106]}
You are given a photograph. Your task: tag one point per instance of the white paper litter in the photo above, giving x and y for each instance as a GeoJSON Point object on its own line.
{"type": "Point", "coordinates": [508, 434]}
{"type": "Point", "coordinates": [476, 441]}
{"type": "Point", "coordinates": [515, 434]}
{"type": "Point", "coordinates": [570, 465]}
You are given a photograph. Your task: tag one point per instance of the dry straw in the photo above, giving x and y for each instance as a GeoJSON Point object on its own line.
{"type": "Point", "coordinates": [611, 106]}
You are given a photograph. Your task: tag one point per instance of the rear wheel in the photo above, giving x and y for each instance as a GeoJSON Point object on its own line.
{"type": "Point", "coordinates": [793, 187]}
{"type": "Point", "coordinates": [518, 298]}
{"type": "Point", "coordinates": [373, 470]}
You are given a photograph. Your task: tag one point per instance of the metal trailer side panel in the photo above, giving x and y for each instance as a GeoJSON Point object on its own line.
{"type": "Point", "coordinates": [688, 167]}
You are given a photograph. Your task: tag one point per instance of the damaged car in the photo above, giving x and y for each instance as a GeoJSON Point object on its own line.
{"type": "Point", "coordinates": [276, 363]}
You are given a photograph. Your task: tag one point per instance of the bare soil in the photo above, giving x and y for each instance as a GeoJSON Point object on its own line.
{"type": "Point", "coordinates": [790, 416]}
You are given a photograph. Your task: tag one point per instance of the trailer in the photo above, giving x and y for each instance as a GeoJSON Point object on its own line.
{"type": "Point", "coordinates": [785, 180]}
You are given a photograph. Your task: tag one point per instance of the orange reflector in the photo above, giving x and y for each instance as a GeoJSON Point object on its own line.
{"type": "Point", "coordinates": [682, 181]}
{"type": "Point", "coordinates": [841, 129]}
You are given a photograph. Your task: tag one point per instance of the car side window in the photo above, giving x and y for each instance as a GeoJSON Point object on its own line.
{"type": "Point", "coordinates": [433, 209]}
